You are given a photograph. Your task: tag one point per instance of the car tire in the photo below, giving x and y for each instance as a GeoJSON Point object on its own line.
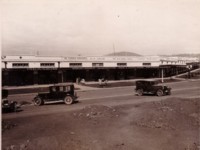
{"type": "Point", "coordinates": [159, 93]}
{"type": "Point", "coordinates": [38, 101]}
{"type": "Point", "coordinates": [139, 92]}
{"type": "Point", "coordinates": [68, 100]}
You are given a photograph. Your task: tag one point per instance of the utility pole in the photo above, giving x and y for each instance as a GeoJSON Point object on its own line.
{"type": "Point", "coordinates": [162, 75]}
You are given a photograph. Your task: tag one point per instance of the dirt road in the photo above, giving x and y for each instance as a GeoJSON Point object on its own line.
{"type": "Point", "coordinates": [109, 119]}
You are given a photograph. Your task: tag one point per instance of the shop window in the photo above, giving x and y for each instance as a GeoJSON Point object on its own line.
{"type": "Point", "coordinates": [20, 65]}
{"type": "Point", "coordinates": [121, 64]}
{"type": "Point", "coordinates": [47, 64]}
{"type": "Point", "coordinates": [75, 64]}
{"type": "Point", "coordinates": [97, 64]}
{"type": "Point", "coordinates": [146, 64]}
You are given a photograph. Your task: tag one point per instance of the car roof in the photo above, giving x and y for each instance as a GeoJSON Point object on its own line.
{"type": "Point", "coordinates": [147, 80]}
{"type": "Point", "coordinates": [62, 84]}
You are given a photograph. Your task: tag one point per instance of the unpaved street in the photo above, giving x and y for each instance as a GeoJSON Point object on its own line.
{"type": "Point", "coordinates": [109, 119]}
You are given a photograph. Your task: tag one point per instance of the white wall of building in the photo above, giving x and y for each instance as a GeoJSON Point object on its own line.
{"type": "Point", "coordinates": [134, 64]}
{"type": "Point", "coordinates": [110, 64]}
{"type": "Point", "coordinates": [108, 61]}
{"type": "Point", "coordinates": [2, 65]}
{"type": "Point", "coordinates": [86, 64]}
{"type": "Point", "coordinates": [9, 65]}
{"type": "Point", "coordinates": [64, 64]}
{"type": "Point", "coordinates": [155, 64]}
{"type": "Point", "coordinates": [34, 65]}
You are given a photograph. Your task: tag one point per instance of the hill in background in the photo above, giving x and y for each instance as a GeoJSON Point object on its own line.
{"type": "Point", "coordinates": [123, 54]}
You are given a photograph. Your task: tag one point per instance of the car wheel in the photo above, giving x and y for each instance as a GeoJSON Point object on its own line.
{"type": "Point", "coordinates": [159, 93]}
{"type": "Point", "coordinates": [68, 100]}
{"type": "Point", "coordinates": [140, 92]}
{"type": "Point", "coordinates": [38, 101]}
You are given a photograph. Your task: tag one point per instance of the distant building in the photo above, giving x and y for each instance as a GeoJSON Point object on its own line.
{"type": "Point", "coordinates": [28, 70]}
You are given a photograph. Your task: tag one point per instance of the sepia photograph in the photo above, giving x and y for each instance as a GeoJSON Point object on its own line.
{"type": "Point", "coordinates": [100, 74]}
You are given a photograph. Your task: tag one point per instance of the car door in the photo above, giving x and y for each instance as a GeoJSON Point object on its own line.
{"type": "Point", "coordinates": [61, 93]}
{"type": "Point", "coordinates": [53, 93]}
{"type": "Point", "coordinates": [149, 87]}
{"type": "Point", "coordinates": [146, 86]}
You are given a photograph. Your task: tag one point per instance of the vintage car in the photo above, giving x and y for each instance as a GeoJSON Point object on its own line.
{"type": "Point", "coordinates": [151, 87]}
{"type": "Point", "coordinates": [63, 93]}
{"type": "Point", "coordinates": [8, 105]}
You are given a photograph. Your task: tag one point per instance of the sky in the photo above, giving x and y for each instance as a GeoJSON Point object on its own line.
{"type": "Point", "coordinates": [99, 27]}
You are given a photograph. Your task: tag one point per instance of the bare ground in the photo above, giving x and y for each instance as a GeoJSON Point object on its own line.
{"type": "Point", "coordinates": [172, 124]}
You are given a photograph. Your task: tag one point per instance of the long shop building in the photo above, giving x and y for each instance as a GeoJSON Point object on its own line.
{"type": "Point", "coordinates": [30, 70]}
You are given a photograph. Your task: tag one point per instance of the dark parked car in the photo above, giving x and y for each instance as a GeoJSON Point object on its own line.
{"type": "Point", "coordinates": [63, 93]}
{"type": "Point", "coordinates": [151, 87]}
{"type": "Point", "coordinates": [8, 105]}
